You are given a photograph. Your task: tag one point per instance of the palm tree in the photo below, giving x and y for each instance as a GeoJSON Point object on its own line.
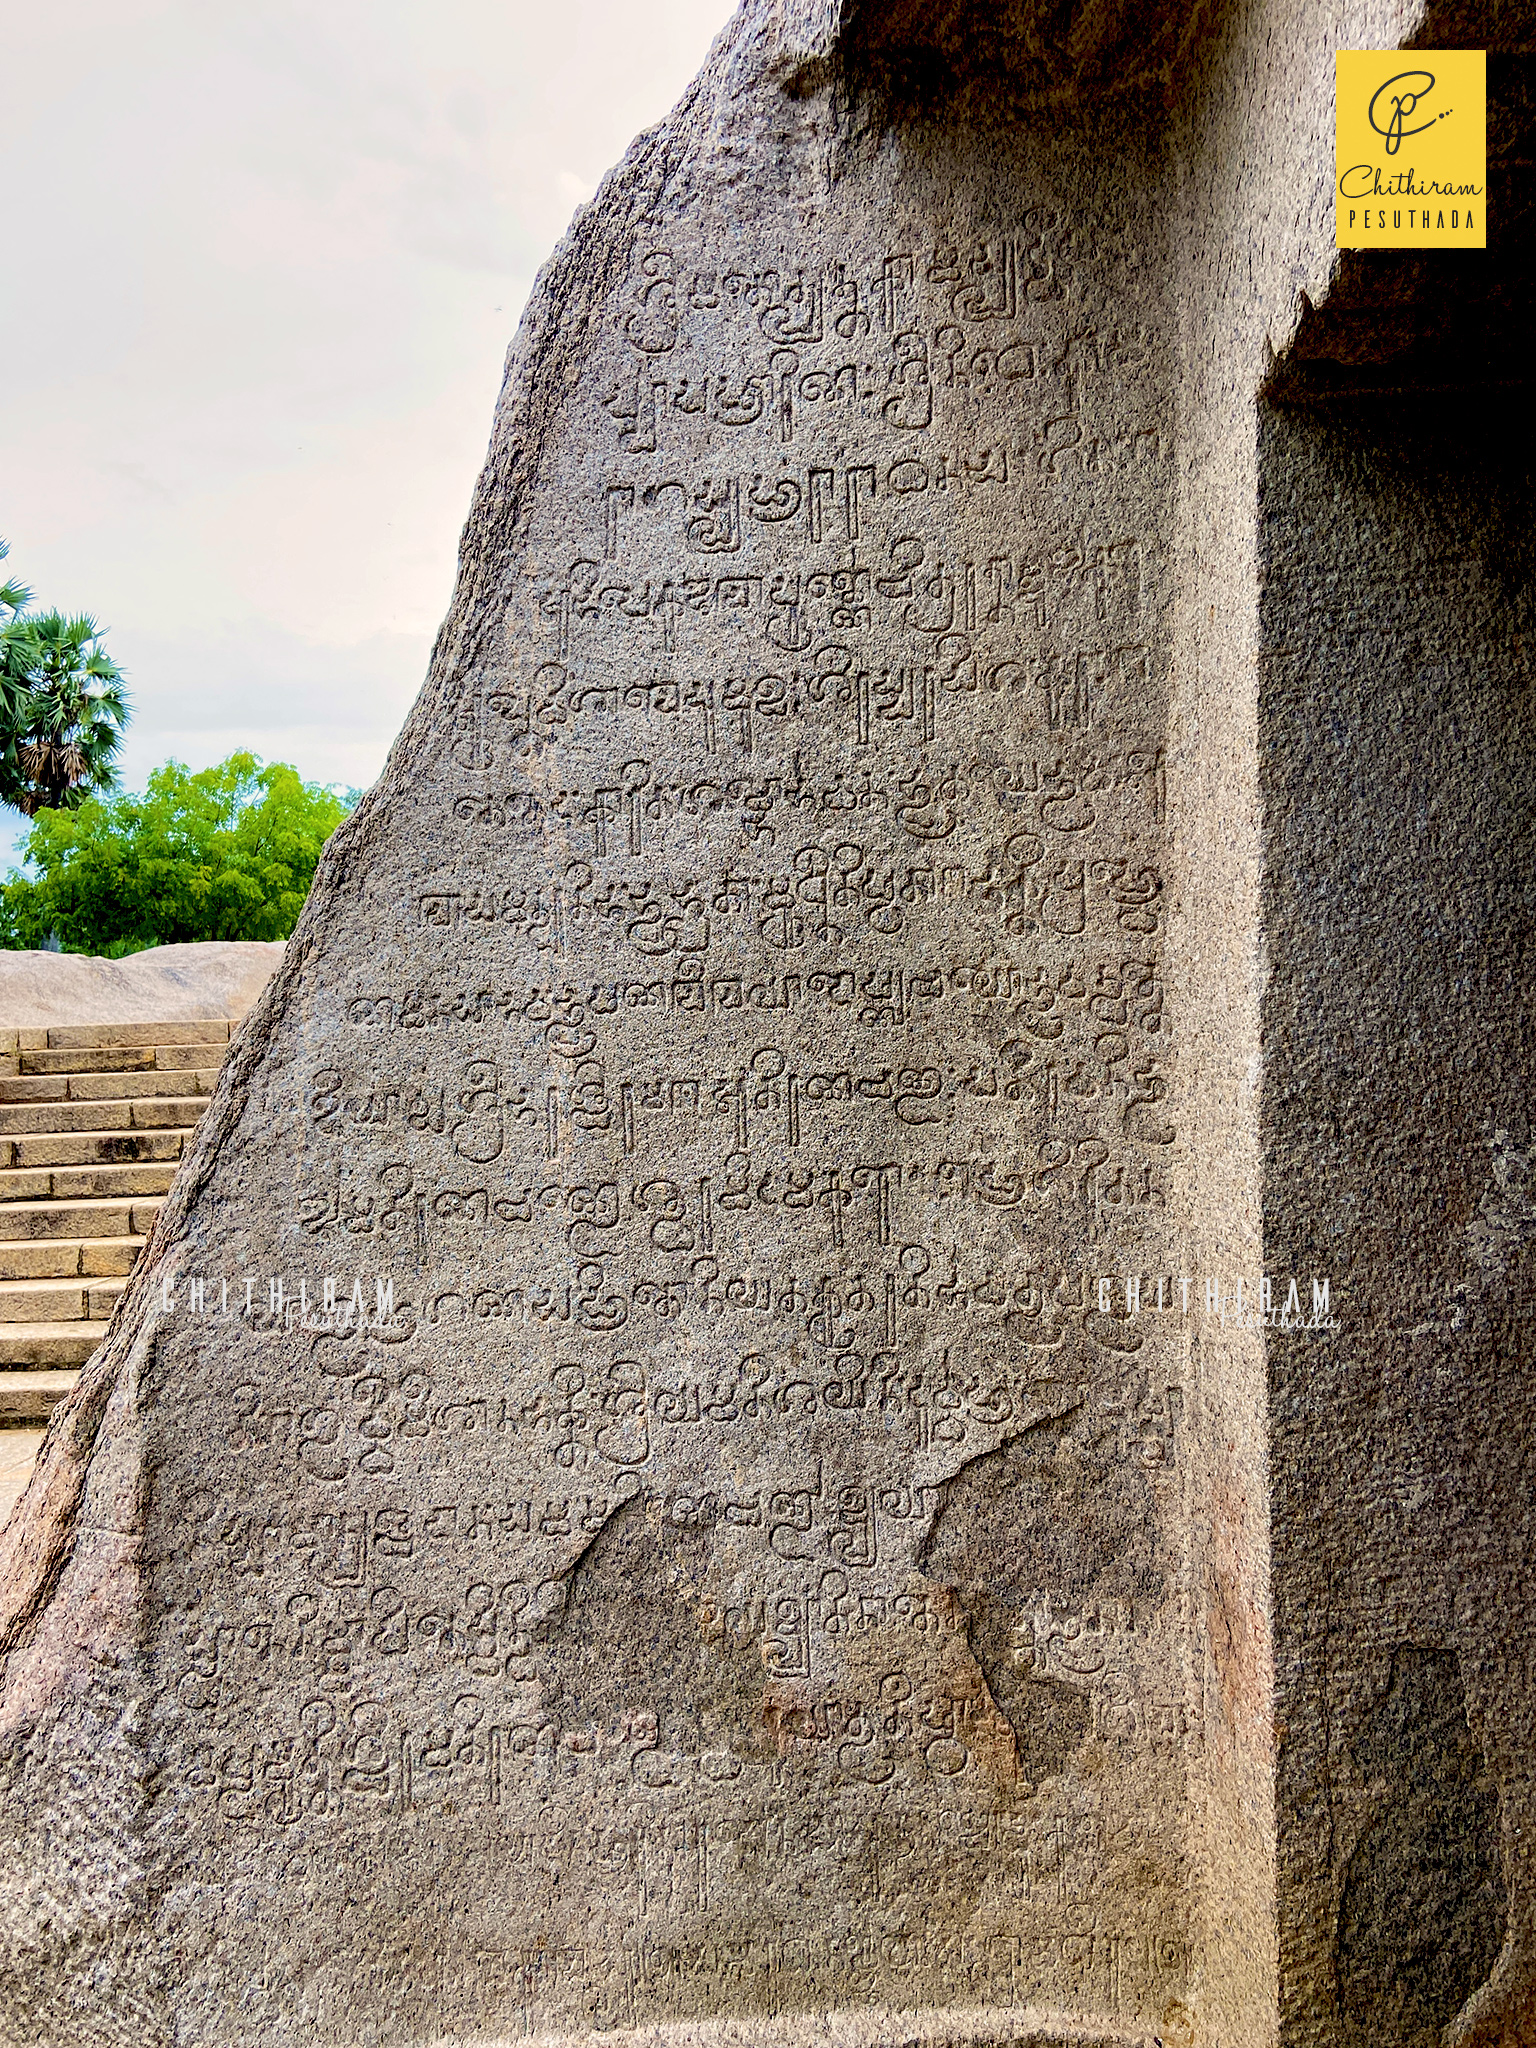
{"type": "Point", "coordinates": [14, 599]}
{"type": "Point", "coordinates": [60, 735]}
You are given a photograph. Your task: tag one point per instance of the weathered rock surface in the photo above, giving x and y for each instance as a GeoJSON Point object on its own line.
{"type": "Point", "coordinates": [742, 1535]}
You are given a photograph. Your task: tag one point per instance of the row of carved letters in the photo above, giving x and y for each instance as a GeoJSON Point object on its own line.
{"type": "Point", "coordinates": [587, 1419]}
{"type": "Point", "coordinates": [496, 1628]}
{"type": "Point", "coordinates": [1067, 692]}
{"type": "Point", "coordinates": [1124, 990]}
{"type": "Point", "coordinates": [351, 1547]}
{"type": "Point", "coordinates": [1089, 577]}
{"type": "Point", "coordinates": [1031, 1296]}
{"type": "Point", "coordinates": [549, 1985]}
{"type": "Point", "coordinates": [1080, 1081]}
{"type": "Point", "coordinates": [1062, 1866]}
{"type": "Point", "coordinates": [833, 896]}
{"type": "Point", "coordinates": [897, 1710]}
{"type": "Point", "coordinates": [1072, 1846]}
{"type": "Point", "coordinates": [639, 807]}
{"type": "Point", "coordinates": [846, 876]}
{"type": "Point", "coordinates": [1084, 577]}
{"type": "Point", "coordinates": [1084, 1178]}
{"type": "Point", "coordinates": [677, 1216]}
{"type": "Point", "coordinates": [984, 280]}
{"type": "Point", "coordinates": [1016, 1071]}
{"type": "Point", "coordinates": [715, 514]}
{"type": "Point", "coordinates": [829, 1307]}
{"type": "Point", "coordinates": [838, 1312]}
{"type": "Point", "coordinates": [546, 1987]}
{"type": "Point", "coordinates": [781, 392]}
{"type": "Point", "coordinates": [608, 1423]}
{"type": "Point", "coordinates": [1081, 1085]}
{"type": "Point", "coordinates": [493, 1630]}
{"type": "Point", "coordinates": [343, 1547]}
{"type": "Point", "coordinates": [1065, 439]}
{"type": "Point", "coordinates": [365, 1750]}
{"type": "Point", "coordinates": [833, 1309]}
{"type": "Point", "coordinates": [934, 600]}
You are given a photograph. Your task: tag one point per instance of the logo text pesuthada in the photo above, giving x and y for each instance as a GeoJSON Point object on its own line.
{"type": "Point", "coordinates": [1410, 149]}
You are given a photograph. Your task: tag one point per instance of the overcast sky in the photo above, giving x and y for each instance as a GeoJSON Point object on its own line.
{"type": "Point", "coordinates": [264, 266]}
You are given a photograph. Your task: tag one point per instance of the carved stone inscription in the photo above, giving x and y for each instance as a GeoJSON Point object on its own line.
{"type": "Point", "coordinates": [697, 1542]}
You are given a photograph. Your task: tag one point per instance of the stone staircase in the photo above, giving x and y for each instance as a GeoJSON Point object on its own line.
{"type": "Point", "coordinates": [93, 1120]}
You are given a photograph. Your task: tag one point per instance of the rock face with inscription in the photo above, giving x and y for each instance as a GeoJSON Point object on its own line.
{"type": "Point", "coordinates": [673, 1458]}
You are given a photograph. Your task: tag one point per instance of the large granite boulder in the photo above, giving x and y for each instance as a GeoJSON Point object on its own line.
{"type": "Point", "coordinates": [844, 1357]}
{"type": "Point", "coordinates": [162, 985]}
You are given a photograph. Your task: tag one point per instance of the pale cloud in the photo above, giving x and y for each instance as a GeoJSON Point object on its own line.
{"type": "Point", "coordinates": [273, 261]}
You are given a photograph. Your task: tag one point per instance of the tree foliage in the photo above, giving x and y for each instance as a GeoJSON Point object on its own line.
{"type": "Point", "coordinates": [228, 853]}
{"type": "Point", "coordinates": [63, 708]}
{"type": "Point", "coordinates": [14, 599]}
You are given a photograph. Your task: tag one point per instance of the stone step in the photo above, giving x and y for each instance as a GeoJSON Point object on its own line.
{"type": "Point", "coordinates": [115, 1059]}
{"type": "Point", "coordinates": [19, 1119]}
{"type": "Point", "coordinates": [68, 1258]}
{"type": "Point", "coordinates": [90, 1148]}
{"type": "Point", "coordinates": [32, 1396]}
{"type": "Point", "coordinates": [58, 1301]}
{"type": "Point", "coordinates": [112, 1087]}
{"type": "Point", "coordinates": [81, 1183]}
{"type": "Point", "coordinates": [25, 1222]}
{"type": "Point", "coordinates": [47, 1347]}
{"type": "Point", "coordinates": [164, 1112]}
{"type": "Point", "coordinates": [148, 1113]}
{"type": "Point", "coordinates": [54, 1037]}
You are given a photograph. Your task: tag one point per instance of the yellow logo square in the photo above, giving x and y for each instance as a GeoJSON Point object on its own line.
{"type": "Point", "coordinates": [1411, 149]}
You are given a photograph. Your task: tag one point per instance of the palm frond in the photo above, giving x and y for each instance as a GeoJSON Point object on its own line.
{"type": "Point", "coordinates": [78, 627]}
{"type": "Point", "coordinates": [102, 667]}
{"type": "Point", "coordinates": [63, 707]}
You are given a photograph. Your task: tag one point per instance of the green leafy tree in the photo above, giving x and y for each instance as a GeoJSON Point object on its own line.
{"type": "Point", "coordinates": [228, 853]}
{"type": "Point", "coordinates": [63, 708]}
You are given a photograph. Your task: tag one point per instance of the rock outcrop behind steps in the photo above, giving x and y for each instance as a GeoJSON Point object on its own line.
{"type": "Point", "coordinates": [165, 984]}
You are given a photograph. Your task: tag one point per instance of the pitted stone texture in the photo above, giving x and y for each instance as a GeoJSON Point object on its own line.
{"type": "Point", "coordinates": [714, 1562]}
